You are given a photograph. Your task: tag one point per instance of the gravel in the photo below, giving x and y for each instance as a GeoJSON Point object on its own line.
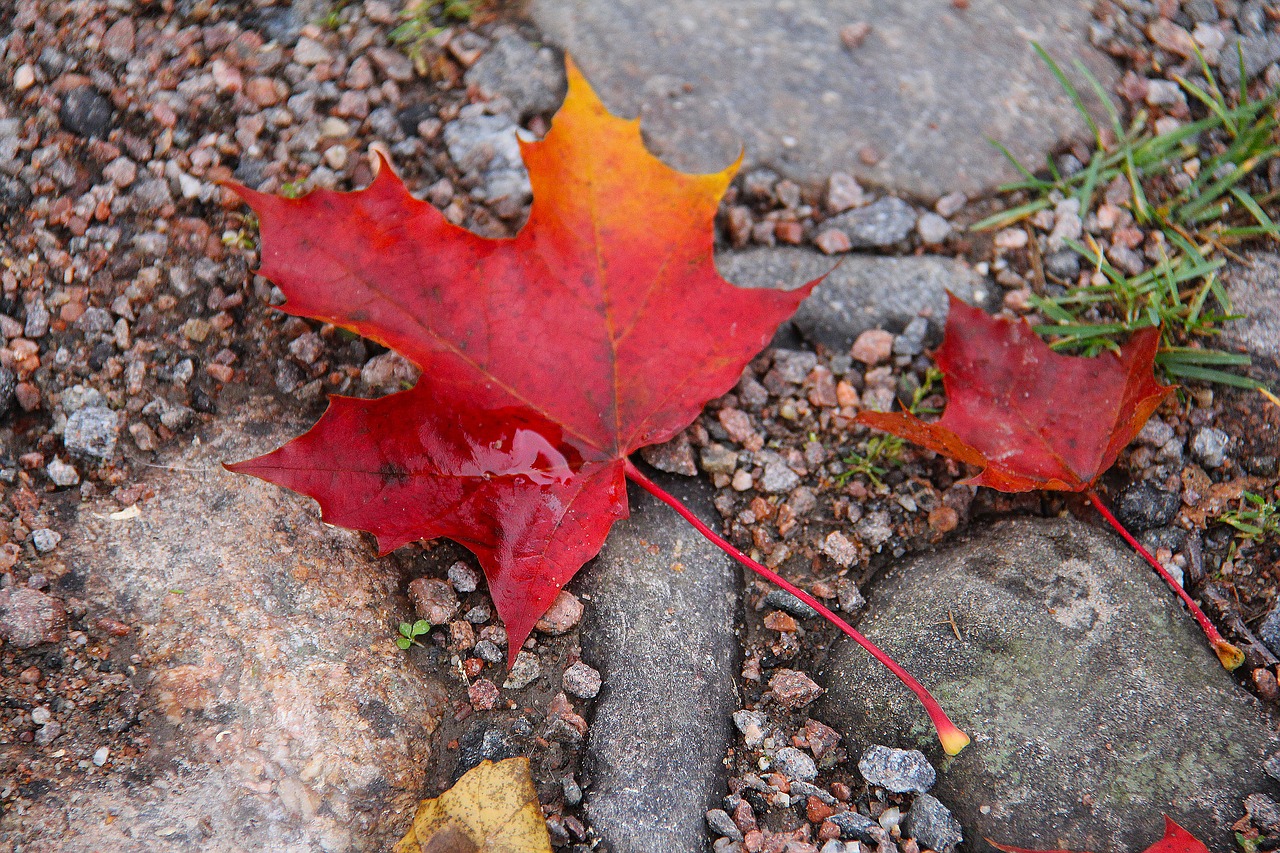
{"type": "Point", "coordinates": [44, 539]}
{"type": "Point", "coordinates": [854, 826]}
{"type": "Point", "coordinates": [433, 600]}
{"type": "Point", "coordinates": [795, 764]}
{"type": "Point", "coordinates": [62, 474]}
{"type": "Point", "coordinates": [524, 671]}
{"type": "Point", "coordinates": [902, 771]}
{"type": "Point", "coordinates": [1141, 506]}
{"type": "Point", "coordinates": [780, 599]}
{"type": "Point", "coordinates": [29, 617]}
{"type": "Point", "coordinates": [92, 432]}
{"type": "Point", "coordinates": [85, 112]}
{"type": "Point", "coordinates": [719, 822]}
{"type": "Point", "coordinates": [881, 224]}
{"type": "Point", "coordinates": [582, 681]}
{"type": "Point", "coordinates": [1209, 446]}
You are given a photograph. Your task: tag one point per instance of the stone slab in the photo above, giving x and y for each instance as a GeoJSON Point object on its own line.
{"type": "Point", "coordinates": [662, 603]}
{"type": "Point", "coordinates": [1092, 699]}
{"type": "Point", "coordinates": [925, 91]}
{"type": "Point", "coordinates": [283, 717]}
{"type": "Point", "coordinates": [1254, 288]}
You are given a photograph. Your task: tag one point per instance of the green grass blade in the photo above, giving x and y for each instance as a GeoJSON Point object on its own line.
{"type": "Point", "coordinates": [1013, 214]}
{"type": "Point", "coordinates": [1070, 89]}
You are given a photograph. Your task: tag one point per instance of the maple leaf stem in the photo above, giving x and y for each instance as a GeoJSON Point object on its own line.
{"type": "Point", "coordinates": [949, 735]}
{"type": "Point", "coordinates": [1230, 655]}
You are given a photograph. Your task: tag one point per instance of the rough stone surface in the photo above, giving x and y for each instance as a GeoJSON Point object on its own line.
{"type": "Point", "coordinates": [487, 144]}
{"type": "Point", "coordinates": [1141, 506]}
{"type": "Point", "coordinates": [1132, 737]}
{"type": "Point", "coordinates": [286, 717]}
{"type": "Point", "coordinates": [28, 618]}
{"type": "Point", "coordinates": [92, 431]}
{"type": "Point", "coordinates": [899, 770]}
{"type": "Point", "coordinates": [862, 293]}
{"type": "Point", "coordinates": [531, 79]}
{"type": "Point", "coordinates": [884, 223]}
{"type": "Point", "coordinates": [1254, 289]}
{"type": "Point", "coordinates": [931, 824]}
{"type": "Point", "coordinates": [85, 112]}
{"type": "Point", "coordinates": [664, 643]}
{"type": "Point", "coordinates": [922, 94]}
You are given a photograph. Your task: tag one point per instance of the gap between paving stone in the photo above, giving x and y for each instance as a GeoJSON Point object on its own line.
{"type": "Point", "coordinates": [1093, 702]}
{"type": "Point", "coordinates": [861, 292]}
{"type": "Point", "coordinates": [660, 626]}
{"type": "Point", "coordinates": [284, 715]}
{"type": "Point", "coordinates": [911, 108]}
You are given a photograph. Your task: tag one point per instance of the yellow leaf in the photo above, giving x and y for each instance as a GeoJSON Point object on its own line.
{"type": "Point", "coordinates": [493, 808]}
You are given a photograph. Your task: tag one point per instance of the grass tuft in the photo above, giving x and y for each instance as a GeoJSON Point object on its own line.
{"type": "Point", "coordinates": [1195, 189]}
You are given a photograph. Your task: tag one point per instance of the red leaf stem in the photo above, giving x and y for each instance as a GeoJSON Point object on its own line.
{"type": "Point", "coordinates": [949, 735]}
{"type": "Point", "coordinates": [1230, 655]}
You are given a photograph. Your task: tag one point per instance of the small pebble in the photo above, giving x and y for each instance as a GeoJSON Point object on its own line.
{"type": "Point", "coordinates": [24, 77]}
{"type": "Point", "coordinates": [793, 689]}
{"type": "Point", "coordinates": [523, 672]}
{"type": "Point", "coordinates": [783, 600]}
{"type": "Point", "coordinates": [61, 473]}
{"type": "Point", "coordinates": [433, 600]}
{"type": "Point", "coordinates": [45, 540]}
{"type": "Point", "coordinates": [483, 694]}
{"type": "Point", "coordinates": [1209, 446]}
{"type": "Point", "coordinates": [932, 825]}
{"type": "Point", "coordinates": [463, 577]}
{"type": "Point", "coordinates": [719, 822]}
{"type": "Point", "coordinates": [872, 347]}
{"type": "Point", "coordinates": [932, 228]}
{"type": "Point", "coordinates": [795, 764]}
{"type": "Point", "coordinates": [100, 756]}
{"type": "Point", "coordinates": [901, 771]}
{"type": "Point", "coordinates": [1011, 238]}
{"type": "Point", "coordinates": [565, 612]}
{"type": "Point", "coordinates": [581, 681]}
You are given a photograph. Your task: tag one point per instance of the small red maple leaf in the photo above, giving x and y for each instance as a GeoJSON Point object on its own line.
{"type": "Point", "coordinates": [1029, 417]}
{"type": "Point", "coordinates": [1032, 418]}
{"type": "Point", "coordinates": [546, 359]}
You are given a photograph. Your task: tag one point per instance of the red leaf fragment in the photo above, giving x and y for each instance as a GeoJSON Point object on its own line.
{"type": "Point", "coordinates": [1032, 418]}
{"type": "Point", "coordinates": [546, 359]}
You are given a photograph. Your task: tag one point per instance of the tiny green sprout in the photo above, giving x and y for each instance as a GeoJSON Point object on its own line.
{"type": "Point", "coordinates": [409, 634]}
{"type": "Point", "coordinates": [1256, 518]}
{"type": "Point", "coordinates": [918, 396]}
{"type": "Point", "coordinates": [292, 189]}
{"type": "Point", "coordinates": [880, 447]}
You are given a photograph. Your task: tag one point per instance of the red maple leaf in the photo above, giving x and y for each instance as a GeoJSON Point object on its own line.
{"type": "Point", "coordinates": [546, 359]}
{"type": "Point", "coordinates": [1032, 418]}
{"type": "Point", "coordinates": [1175, 840]}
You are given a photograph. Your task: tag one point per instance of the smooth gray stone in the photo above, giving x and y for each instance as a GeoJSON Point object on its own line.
{"type": "Point", "coordinates": [659, 625]}
{"type": "Point", "coordinates": [1254, 288]}
{"type": "Point", "coordinates": [1079, 678]}
{"type": "Point", "coordinates": [863, 292]}
{"type": "Point", "coordinates": [927, 89]}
